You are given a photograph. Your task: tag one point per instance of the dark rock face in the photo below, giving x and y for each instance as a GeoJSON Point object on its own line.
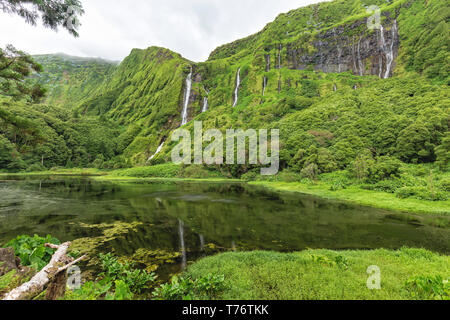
{"type": "Point", "coordinates": [350, 48]}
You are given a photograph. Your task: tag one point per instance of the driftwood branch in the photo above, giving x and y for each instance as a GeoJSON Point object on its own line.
{"type": "Point", "coordinates": [37, 284]}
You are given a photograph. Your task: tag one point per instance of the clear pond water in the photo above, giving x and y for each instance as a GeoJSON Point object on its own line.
{"type": "Point", "coordinates": [193, 220]}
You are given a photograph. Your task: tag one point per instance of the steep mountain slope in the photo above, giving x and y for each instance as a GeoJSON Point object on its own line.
{"type": "Point", "coordinates": [334, 87]}
{"type": "Point", "coordinates": [69, 79]}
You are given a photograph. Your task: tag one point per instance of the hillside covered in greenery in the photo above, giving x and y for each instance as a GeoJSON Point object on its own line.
{"type": "Point", "coordinates": [344, 96]}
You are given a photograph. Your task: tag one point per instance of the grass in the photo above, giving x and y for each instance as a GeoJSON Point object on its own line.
{"type": "Point", "coordinates": [324, 274]}
{"type": "Point", "coordinates": [377, 199]}
{"type": "Point", "coordinates": [59, 171]}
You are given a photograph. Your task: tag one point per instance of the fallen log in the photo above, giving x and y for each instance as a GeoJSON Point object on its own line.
{"type": "Point", "coordinates": [58, 263]}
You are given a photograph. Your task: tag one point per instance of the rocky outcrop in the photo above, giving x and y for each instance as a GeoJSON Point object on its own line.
{"type": "Point", "coordinates": [350, 48]}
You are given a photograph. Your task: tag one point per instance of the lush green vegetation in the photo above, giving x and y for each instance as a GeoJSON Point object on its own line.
{"type": "Point", "coordinates": [32, 251]}
{"type": "Point", "coordinates": [323, 274]}
{"type": "Point", "coordinates": [377, 142]}
{"type": "Point", "coordinates": [125, 111]}
{"type": "Point", "coordinates": [260, 275]}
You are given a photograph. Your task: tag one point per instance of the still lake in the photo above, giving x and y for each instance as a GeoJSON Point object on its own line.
{"type": "Point", "coordinates": [177, 223]}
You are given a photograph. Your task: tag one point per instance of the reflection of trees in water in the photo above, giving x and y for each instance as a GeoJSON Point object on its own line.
{"type": "Point", "coordinates": [253, 218]}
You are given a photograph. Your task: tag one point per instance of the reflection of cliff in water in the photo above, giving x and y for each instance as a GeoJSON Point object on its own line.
{"type": "Point", "coordinates": [214, 216]}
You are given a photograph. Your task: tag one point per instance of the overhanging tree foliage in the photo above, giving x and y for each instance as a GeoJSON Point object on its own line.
{"type": "Point", "coordinates": [53, 13]}
{"type": "Point", "coordinates": [15, 66]}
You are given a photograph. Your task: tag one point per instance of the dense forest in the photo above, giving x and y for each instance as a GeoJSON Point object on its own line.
{"type": "Point", "coordinates": [343, 96]}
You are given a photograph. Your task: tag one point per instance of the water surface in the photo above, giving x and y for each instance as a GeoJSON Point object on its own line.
{"type": "Point", "coordinates": [198, 219]}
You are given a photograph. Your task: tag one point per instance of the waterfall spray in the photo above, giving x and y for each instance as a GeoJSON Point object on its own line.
{"type": "Point", "coordinates": [236, 91]}
{"type": "Point", "coordinates": [267, 62]}
{"type": "Point", "coordinates": [390, 53]}
{"type": "Point", "coordinates": [383, 50]}
{"type": "Point", "coordinates": [205, 104]}
{"type": "Point", "coordinates": [360, 64]}
{"type": "Point", "coordinates": [264, 85]}
{"type": "Point", "coordinates": [187, 94]}
{"type": "Point", "coordinates": [279, 56]}
{"type": "Point", "coordinates": [157, 151]}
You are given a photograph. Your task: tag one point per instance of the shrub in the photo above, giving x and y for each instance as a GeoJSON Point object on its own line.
{"type": "Point", "coordinates": [428, 288]}
{"type": "Point", "coordinates": [37, 167]}
{"type": "Point", "coordinates": [445, 184]}
{"type": "Point", "coordinates": [187, 288]}
{"type": "Point", "coordinates": [421, 193]}
{"type": "Point", "coordinates": [384, 168]}
{"type": "Point", "coordinates": [310, 171]}
{"type": "Point", "coordinates": [136, 280]}
{"type": "Point", "coordinates": [32, 251]}
{"type": "Point", "coordinates": [288, 176]}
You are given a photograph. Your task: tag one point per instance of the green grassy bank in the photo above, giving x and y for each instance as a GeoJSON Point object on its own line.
{"type": "Point", "coordinates": [325, 274]}
{"type": "Point", "coordinates": [354, 194]}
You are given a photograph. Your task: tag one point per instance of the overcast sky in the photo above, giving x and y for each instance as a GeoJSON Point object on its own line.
{"type": "Point", "coordinates": [111, 28]}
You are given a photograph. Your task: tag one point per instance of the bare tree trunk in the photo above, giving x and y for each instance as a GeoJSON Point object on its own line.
{"type": "Point", "coordinates": [58, 265]}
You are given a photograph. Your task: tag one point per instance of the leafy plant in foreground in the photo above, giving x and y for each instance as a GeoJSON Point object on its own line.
{"type": "Point", "coordinates": [187, 288]}
{"type": "Point", "coordinates": [428, 287]}
{"type": "Point", "coordinates": [123, 273]}
{"type": "Point", "coordinates": [32, 251]}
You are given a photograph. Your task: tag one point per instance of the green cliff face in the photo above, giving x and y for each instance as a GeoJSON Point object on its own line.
{"type": "Point", "coordinates": [69, 79]}
{"type": "Point", "coordinates": [334, 88]}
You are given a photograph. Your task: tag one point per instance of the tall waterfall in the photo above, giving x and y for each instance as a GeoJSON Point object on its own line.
{"type": "Point", "coordinates": [335, 87]}
{"type": "Point", "coordinates": [182, 245]}
{"type": "Point", "coordinates": [390, 52]}
{"type": "Point", "coordinates": [279, 56]}
{"type": "Point", "coordinates": [236, 91]}
{"type": "Point", "coordinates": [187, 94]}
{"type": "Point", "coordinates": [157, 151]}
{"type": "Point", "coordinates": [382, 49]}
{"type": "Point", "coordinates": [360, 64]}
{"type": "Point", "coordinates": [205, 104]}
{"type": "Point", "coordinates": [267, 56]}
{"type": "Point", "coordinates": [264, 85]}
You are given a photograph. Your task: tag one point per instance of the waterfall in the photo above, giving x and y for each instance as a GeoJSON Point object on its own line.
{"type": "Point", "coordinates": [264, 85]}
{"type": "Point", "coordinates": [205, 104]}
{"type": "Point", "coordinates": [360, 64]}
{"type": "Point", "coordinates": [355, 68]}
{"type": "Point", "coordinates": [383, 50]}
{"type": "Point", "coordinates": [267, 62]}
{"type": "Point", "coordinates": [335, 87]}
{"type": "Point", "coordinates": [279, 56]}
{"type": "Point", "coordinates": [339, 50]}
{"type": "Point", "coordinates": [279, 84]}
{"type": "Point", "coordinates": [157, 151]}
{"type": "Point", "coordinates": [236, 91]}
{"type": "Point", "coordinates": [390, 53]}
{"type": "Point", "coordinates": [187, 94]}
{"type": "Point", "coordinates": [182, 245]}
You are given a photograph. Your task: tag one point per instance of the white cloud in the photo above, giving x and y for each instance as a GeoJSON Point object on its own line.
{"type": "Point", "coordinates": [111, 28]}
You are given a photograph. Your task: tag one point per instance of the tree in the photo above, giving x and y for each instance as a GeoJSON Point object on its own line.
{"type": "Point", "coordinates": [443, 152]}
{"type": "Point", "coordinates": [15, 67]}
{"type": "Point", "coordinates": [53, 13]}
